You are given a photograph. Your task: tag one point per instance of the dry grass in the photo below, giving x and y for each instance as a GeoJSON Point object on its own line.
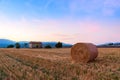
{"type": "Point", "coordinates": [56, 64]}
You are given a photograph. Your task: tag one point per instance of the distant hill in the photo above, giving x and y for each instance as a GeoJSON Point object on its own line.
{"type": "Point", "coordinates": [111, 44]}
{"type": "Point", "coordinates": [25, 44]}
{"type": "Point", "coordinates": [5, 42]}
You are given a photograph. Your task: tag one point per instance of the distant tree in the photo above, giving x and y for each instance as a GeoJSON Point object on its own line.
{"type": "Point", "coordinates": [25, 45]}
{"type": "Point", "coordinates": [17, 45]}
{"type": "Point", "coordinates": [10, 46]}
{"type": "Point", "coordinates": [48, 46]}
{"type": "Point", "coordinates": [110, 44]}
{"type": "Point", "coordinates": [58, 45]}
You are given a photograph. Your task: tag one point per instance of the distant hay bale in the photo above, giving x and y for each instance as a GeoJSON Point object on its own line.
{"type": "Point", "coordinates": [84, 52]}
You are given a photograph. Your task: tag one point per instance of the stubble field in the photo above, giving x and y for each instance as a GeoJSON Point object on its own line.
{"type": "Point", "coordinates": [56, 64]}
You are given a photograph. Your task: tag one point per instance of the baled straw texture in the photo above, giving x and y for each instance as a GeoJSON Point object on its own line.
{"type": "Point", "coordinates": [84, 52]}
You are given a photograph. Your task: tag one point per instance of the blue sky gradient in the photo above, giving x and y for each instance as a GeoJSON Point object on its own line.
{"type": "Point", "coordinates": [71, 21]}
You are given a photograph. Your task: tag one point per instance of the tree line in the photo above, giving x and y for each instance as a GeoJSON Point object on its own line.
{"type": "Point", "coordinates": [17, 45]}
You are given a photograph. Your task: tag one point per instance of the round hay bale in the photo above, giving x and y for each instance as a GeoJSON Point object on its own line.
{"type": "Point", "coordinates": [84, 52]}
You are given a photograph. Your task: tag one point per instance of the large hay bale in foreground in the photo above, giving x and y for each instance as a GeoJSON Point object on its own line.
{"type": "Point", "coordinates": [84, 52]}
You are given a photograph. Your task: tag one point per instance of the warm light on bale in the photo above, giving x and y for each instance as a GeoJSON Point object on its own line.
{"type": "Point", "coordinates": [84, 52]}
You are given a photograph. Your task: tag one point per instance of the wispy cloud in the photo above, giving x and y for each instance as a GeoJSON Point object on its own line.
{"type": "Point", "coordinates": [112, 3]}
{"type": "Point", "coordinates": [104, 6]}
{"type": "Point", "coordinates": [47, 4]}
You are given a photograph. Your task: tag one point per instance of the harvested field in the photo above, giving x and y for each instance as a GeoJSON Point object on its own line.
{"type": "Point", "coordinates": [56, 64]}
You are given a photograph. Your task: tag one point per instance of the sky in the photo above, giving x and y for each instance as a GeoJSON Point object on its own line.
{"type": "Point", "coordinates": [70, 21]}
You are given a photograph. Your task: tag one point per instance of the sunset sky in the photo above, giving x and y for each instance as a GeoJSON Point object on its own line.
{"type": "Point", "coordinates": [70, 21]}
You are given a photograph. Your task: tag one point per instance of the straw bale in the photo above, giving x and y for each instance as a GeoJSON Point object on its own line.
{"type": "Point", "coordinates": [84, 52]}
